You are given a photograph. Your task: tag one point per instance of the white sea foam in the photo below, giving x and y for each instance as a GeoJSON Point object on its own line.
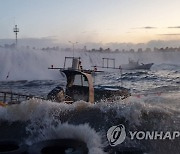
{"type": "Point", "coordinates": [44, 118]}
{"type": "Point", "coordinates": [82, 132]}
{"type": "Point", "coordinates": [130, 108]}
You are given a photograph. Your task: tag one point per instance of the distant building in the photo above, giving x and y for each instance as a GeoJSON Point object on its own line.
{"type": "Point", "coordinates": [140, 50]}
{"type": "Point", "coordinates": [148, 50]}
{"type": "Point", "coordinates": [156, 49]}
{"type": "Point", "coordinates": [132, 50]}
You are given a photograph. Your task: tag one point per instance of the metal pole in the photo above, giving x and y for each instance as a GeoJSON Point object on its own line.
{"type": "Point", "coordinates": [16, 38]}
{"type": "Point", "coordinates": [73, 50]}
{"type": "Point", "coordinates": [121, 75]}
{"type": "Point", "coordinates": [73, 43]}
{"type": "Point", "coordinates": [16, 30]}
{"type": "Point", "coordinates": [114, 62]}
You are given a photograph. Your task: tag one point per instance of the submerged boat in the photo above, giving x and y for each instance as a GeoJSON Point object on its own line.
{"type": "Point", "coordinates": [80, 86]}
{"type": "Point", "coordinates": [132, 65]}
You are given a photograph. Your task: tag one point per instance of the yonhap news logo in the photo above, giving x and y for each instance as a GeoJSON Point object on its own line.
{"type": "Point", "coordinates": [117, 134]}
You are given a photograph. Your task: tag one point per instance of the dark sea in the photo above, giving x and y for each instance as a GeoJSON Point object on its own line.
{"type": "Point", "coordinates": [154, 104]}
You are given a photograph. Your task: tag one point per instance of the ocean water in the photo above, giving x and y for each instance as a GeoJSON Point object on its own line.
{"type": "Point", "coordinates": [154, 104]}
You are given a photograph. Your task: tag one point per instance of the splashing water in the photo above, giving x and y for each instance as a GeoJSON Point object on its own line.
{"type": "Point", "coordinates": [154, 104]}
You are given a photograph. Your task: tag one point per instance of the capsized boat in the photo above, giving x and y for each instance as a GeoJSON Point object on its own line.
{"type": "Point", "coordinates": [80, 86]}
{"type": "Point", "coordinates": [132, 65]}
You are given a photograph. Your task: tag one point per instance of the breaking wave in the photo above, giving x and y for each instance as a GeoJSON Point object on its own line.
{"type": "Point", "coordinates": [37, 120]}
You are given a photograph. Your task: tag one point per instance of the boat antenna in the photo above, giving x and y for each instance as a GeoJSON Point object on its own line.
{"type": "Point", "coordinates": [16, 30]}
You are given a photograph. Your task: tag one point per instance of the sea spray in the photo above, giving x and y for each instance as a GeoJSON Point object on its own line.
{"type": "Point", "coordinates": [32, 64]}
{"type": "Point", "coordinates": [82, 132]}
{"type": "Point", "coordinates": [32, 119]}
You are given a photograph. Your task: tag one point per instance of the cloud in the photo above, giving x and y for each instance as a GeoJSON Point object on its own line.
{"type": "Point", "coordinates": [163, 43]}
{"type": "Point", "coordinates": [34, 42]}
{"type": "Point", "coordinates": [175, 27]}
{"type": "Point", "coordinates": [127, 46]}
{"type": "Point", "coordinates": [50, 37]}
{"type": "Point", "coordinates": [146, 27]}
{"type": "Point", "coordinates": [173, 34]}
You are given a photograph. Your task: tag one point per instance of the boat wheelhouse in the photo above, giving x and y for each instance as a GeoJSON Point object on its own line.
{"type": "Point", "coordinates": [80, 86]}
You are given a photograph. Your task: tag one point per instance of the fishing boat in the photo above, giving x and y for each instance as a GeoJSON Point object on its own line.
{"type": "Point", "coordinates": [133, 65]}
{"type": "Point", "coordinates": [80, 86]}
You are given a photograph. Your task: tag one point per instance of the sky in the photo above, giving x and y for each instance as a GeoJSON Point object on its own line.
{"type": "Point", "coordinates": [101, 21]}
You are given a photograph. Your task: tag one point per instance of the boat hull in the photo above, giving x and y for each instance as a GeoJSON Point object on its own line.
{"type": "Point", "coordinates": [134, 67]}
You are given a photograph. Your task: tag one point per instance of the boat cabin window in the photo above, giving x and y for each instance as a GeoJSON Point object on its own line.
{"type": "Point", "coordinates": [80, 80]}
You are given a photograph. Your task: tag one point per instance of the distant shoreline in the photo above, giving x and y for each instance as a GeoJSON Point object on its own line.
{"type": "Point", "coordinates": [101, 50]}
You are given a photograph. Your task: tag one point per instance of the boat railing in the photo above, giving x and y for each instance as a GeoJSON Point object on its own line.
{"type": "Point", "coordinates": [8, 97]}
{"type": "Point", "coordinates": [107, 61]}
